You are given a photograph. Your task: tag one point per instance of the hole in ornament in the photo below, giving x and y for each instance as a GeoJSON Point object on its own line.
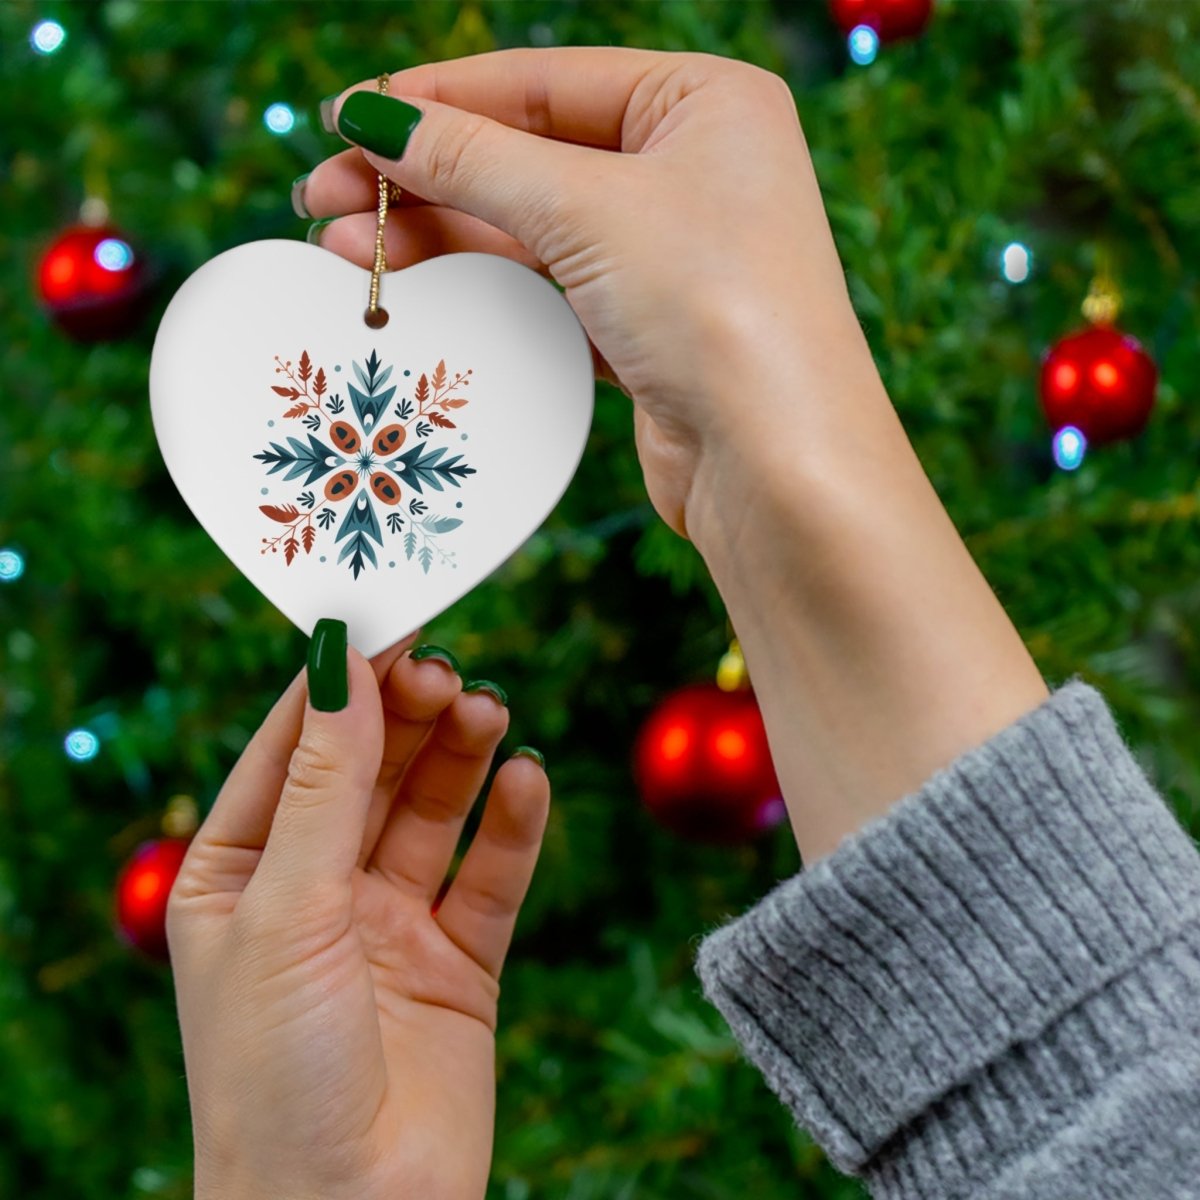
{"type": "Point", "coordinates": [377, 319]}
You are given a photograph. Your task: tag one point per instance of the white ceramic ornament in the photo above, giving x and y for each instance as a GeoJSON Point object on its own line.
{"type": "Point", "coordinates": [374, 475]}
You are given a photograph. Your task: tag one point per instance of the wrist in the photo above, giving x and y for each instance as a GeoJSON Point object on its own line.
{"type": "Point", "coordinates": [877, 649]}
{"type": "Point", "coordinates": [789, 435]}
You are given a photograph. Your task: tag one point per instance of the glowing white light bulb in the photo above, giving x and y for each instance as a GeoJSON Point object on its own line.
{"type": "Point", "coordinates": [12, 565]}
{"type": "Point", "coordinates": [114, 255]}
{"type": "Point", "coordinates": [863, 44]}
{"type": "Point", "coordinates": [81, 745]}
{"type": "Point", "coordinates": [1069, 447]}
{"type": "Point", "coordinates": [1016, 262]}
{"type": "Point", "coordinates": [280, 119]}
{"type": "Point", "coordinates": [47, 37]}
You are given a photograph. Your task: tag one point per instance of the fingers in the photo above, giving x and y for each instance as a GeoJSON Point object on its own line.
{"type": "Point", "coordinates": [419, 836]}
{"type": "Point", "coordinates": [345, 183]}
{"type": "Point", "coordinates": [571, 93]}
{"type": "Point", "coordinates": [318, 825]}
{"type": "Point", "coordinates": [412, 235]}
{"type": "Point", "coordinates": [240, 818]}
{"type": "Point", "coordinates": [241, 815]}
{"type": "Point", "coordinates": [512, 180]}
{"type": "Point", "coordinates": [480, 909]}
{"type": "Point", "coordinates": [382, 662]}
{"type": "Point", "coordinates": [415, 693]}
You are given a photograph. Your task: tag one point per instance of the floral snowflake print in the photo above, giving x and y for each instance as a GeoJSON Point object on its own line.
{"type": "Point", "coordinates": [369, 466]}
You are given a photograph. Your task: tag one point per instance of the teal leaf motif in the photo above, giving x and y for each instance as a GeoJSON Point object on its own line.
{"type": "Point", "coordinates": [370, 402]}
{"type": "Point", "coordinates": [420, 465]}
{"type": "Point", "coordinates": [410, 543]}
{"type": "Point", "coordinates": [359, 527]}
{"type": "Point", "coordinates": [369, 406]}
{"type": "Point", "coordinates": [296, 458]}
{"type": "Point", "coordinates": [394, 521]}
{"type": "Point", "coordinates": [441, 524]}
{"type": "Point", "coordinates": [426, 557]}
{"type": "Point", "coordinates": [360, 519]}
{"type": "Point", "coordinates": [358, 549]}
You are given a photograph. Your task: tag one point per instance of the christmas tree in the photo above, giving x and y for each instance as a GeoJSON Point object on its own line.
{"type": "Point", "coordinates": [980, 178]}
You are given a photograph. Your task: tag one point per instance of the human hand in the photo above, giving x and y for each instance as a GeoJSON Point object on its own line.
{"type": "Point", "coordinates": [699, 259]}
{"type": "Point", "coordinates": [338, 1035]}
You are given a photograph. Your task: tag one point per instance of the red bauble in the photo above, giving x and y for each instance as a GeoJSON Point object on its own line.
{"type": "Point", "coordinates": [142, 890]}
{"type": "Point", "coordinates": [1101, 381]}
{"type": "Point", "coordinates": [891, 19]}
{"type": "Point", "coordinates": [703, 766]}
{"type": "Point", "coordinates": [93, 283]}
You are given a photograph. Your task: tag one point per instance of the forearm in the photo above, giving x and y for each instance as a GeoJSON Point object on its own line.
{"type": "Point", "coordinates": [876, 648]}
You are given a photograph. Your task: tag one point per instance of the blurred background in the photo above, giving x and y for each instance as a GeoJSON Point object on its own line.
{"type": "Point", "coordinates": [988, 167]}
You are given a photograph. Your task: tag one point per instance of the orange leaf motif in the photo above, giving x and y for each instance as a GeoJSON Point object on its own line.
{"type": "Point", "coordinates": [298, 411]}
{"type": "Point", "coordinates": [305, 366]}
{"type": "Point", "coordinates": [441, 422]}
{"type": "Point", "coordinates": [457, 402]}
{"type": "Point", "coordinates": [289, 550]}
{"type": "Point", "coordinates": [319, 382]}
{"type": "Point", "coordinates": [439, 376]}
{"type": "Point", "coordinates": [308, 537]}
{"type": "Point", "coordinates": [422, 390]}
{"type": "Point", "coordinates": [290, 393]}
{"type": "Point", "coordinates": [285, 515]}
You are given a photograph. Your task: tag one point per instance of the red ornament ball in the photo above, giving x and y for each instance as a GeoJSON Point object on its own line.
{"type": "Point", "coordinates": [142, 890]}
{"type": "Point", "coordinates": [704, 769]}
{"type": "Point", "coordinates": [93, 283]}
{"type": "Point", "coordinates": [891, 19]}
{"type": "Point", "coordinates": [1101, 381]}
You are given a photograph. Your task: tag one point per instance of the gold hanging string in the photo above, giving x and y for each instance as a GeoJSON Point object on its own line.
{"type": "Point", "coordinates": [375, 316]}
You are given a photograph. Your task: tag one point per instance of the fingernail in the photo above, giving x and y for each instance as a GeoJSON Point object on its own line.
{"type": "Point", "coordinates": [298, 205]}
{"type": "Point", "coordinates": [313, 236]}
{"type": "Point", "coordinates": [378, 123]}
{"type": "Point", "coordinates": [486, 685]}
{"type": "Point", "coordinates": [436, 652]}
{"type": "Point", "coordinates": [328, 685]}
{"type": "Point", "coordinates": [326, 110]}
{"type": "Point", "coordinates": [530, 752]}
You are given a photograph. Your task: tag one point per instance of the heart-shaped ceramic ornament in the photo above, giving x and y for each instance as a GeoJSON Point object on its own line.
{"type": "Point", "coordinates": [374, 475]}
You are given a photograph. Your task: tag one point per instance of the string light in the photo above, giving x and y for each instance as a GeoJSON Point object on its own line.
{"type": "Point", "coordinates": [279, 119]}
{"type": "Point", "coordinates": [12, 565]}
{"type": "Point", "coordinates": [1016, 262]}
{"type": "Point", "coordinates": [81, 744]}
{"type": "Point", "coordinates": [863, 44]}
{"type": "Point", "coordinates": [47, 37]}
{"type": "Point", "coordinates": [1069, 447]}
{"type": "Point", "coordinates": [114, 255]}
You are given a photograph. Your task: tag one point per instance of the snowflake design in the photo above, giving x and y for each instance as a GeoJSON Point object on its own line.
{"type": "Point", "coordinates": [369, 467]}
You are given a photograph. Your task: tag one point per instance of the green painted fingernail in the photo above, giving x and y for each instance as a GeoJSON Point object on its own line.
{"type": "Point", "coordinates": [437, 652]}
{"type": "Point", "coordinates": [328, 683]}
{"type": "Point", "coordinates": [298, 205]}
{"type": "Point", "coordinates": [530, 752]}
{"type": "Point", "coordinates": [381, 124]}
{"type": "Point", "coordinates": [313, 236]}
{"type": "Point", "coordinates": [326, 110]}
{"type": "Point", "coordinates": [486, 685]}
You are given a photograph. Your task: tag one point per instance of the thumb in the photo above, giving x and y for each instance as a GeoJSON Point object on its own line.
{"type": "Point", "coordinates": [318, 827]}
{"type": "Point", "coordinates": [518, 182]}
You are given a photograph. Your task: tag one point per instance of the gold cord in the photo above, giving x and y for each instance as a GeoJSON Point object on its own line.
{"type": "Point", "coordinates": [375, 317]}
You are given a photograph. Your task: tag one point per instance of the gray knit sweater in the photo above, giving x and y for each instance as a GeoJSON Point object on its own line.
{"type": "Point", "coordinates": [993, 990]}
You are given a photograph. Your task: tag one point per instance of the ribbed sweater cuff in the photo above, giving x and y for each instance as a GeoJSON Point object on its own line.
{"type": "Point", "coordinates": [939, 945]}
